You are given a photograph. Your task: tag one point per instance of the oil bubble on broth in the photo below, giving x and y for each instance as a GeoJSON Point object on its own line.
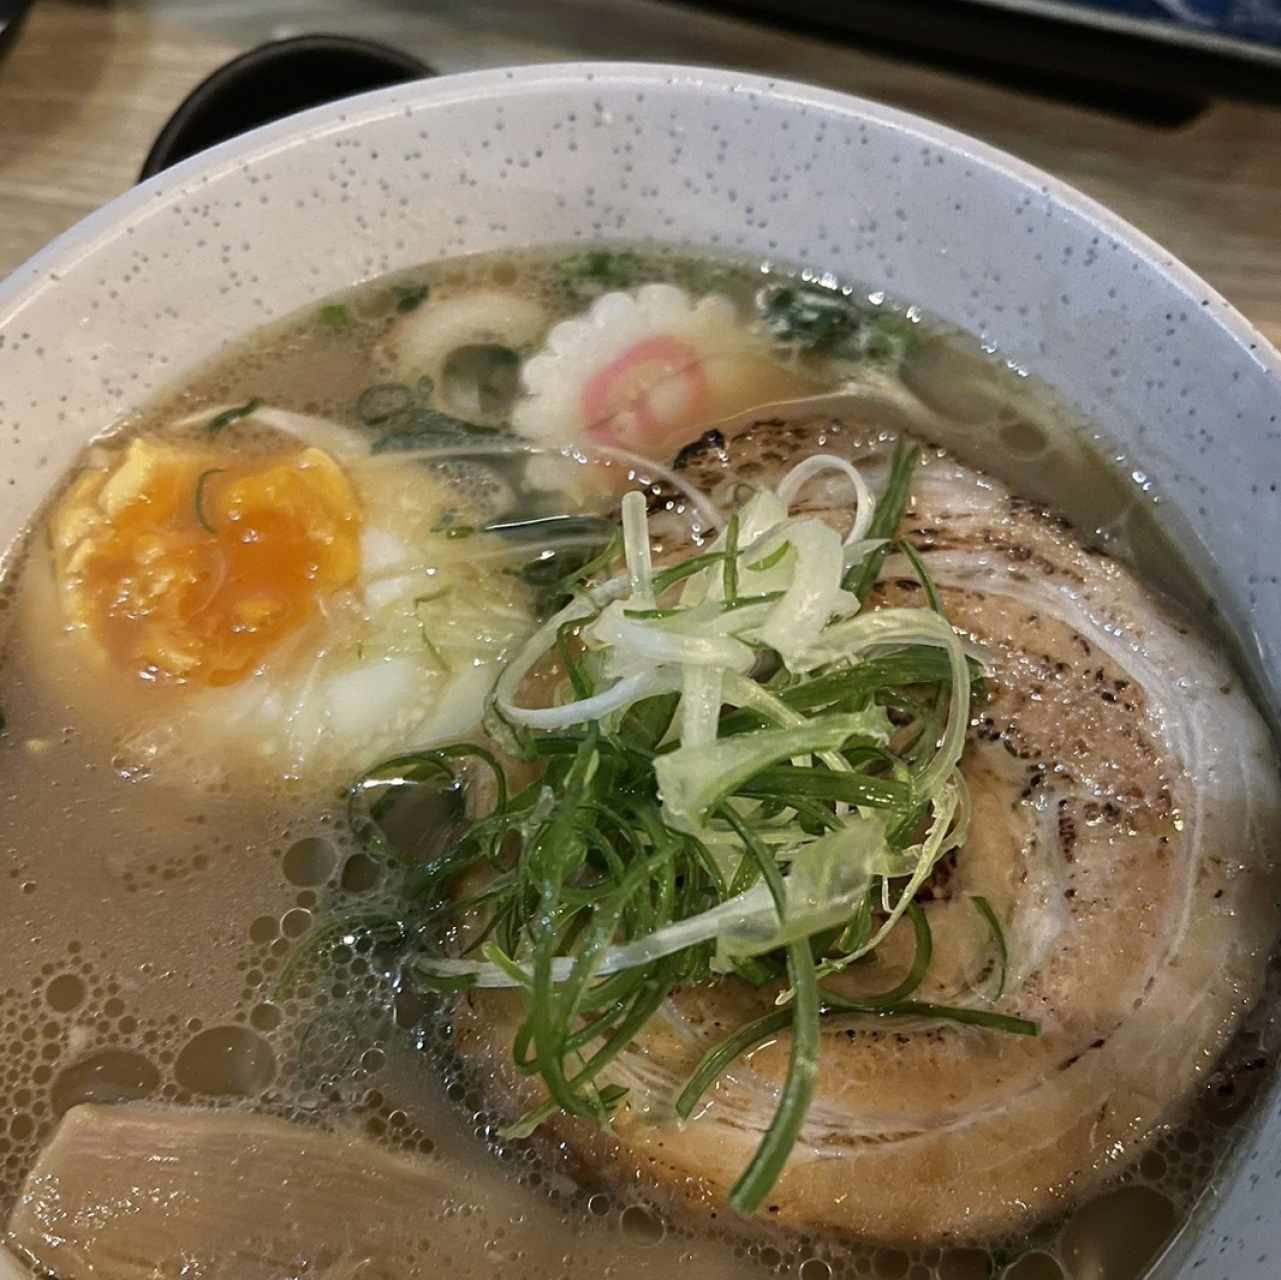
{"type": "Point", "coordinates": [239, 623]}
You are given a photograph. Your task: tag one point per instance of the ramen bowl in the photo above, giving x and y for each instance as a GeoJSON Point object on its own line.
{"type": "Point", "coordinates": [1180, 391]}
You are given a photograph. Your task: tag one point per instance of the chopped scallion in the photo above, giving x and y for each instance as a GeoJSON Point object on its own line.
{"type": "Point", "coordinates": [409, 297]}
{"type": "Point", "coordinates": [335, 316]}
{"type": "Point", "coordinates": [984, 908]}
{"type": "Point", "coordinates": [199, 503]}
{"type": "Point", "coordinates": [724, 785]}
{"type": "Point", "coordinates": [223, 420]}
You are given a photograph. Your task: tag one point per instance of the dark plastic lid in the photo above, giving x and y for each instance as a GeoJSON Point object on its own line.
{"type": "Point", "coordinates": [12, 13]}
{"type": "Point", "coordinates": [276, 80]}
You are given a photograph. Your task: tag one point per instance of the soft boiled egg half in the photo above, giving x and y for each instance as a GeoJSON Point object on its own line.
{"type": "Point", "coordinates": [279, 593]}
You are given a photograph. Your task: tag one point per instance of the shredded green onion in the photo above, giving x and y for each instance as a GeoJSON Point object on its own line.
{"type": "Point", "coordinates": [729, 579]}
{"type": "Point", "coordinates": [775, 557]}
{"type": "Point", "coordinates": [718, 792]}
{"type": "Point", "coordinates": [984, 908]}
{"type": "Point", "coordinates": [766, 1165]}
{"type": "Point", "coordinates": [890, 510]}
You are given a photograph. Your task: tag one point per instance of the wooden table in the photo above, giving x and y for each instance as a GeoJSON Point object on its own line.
{"type": "Point", "coordinates": [88, 85]}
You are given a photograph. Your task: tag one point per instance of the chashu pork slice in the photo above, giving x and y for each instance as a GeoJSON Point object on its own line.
{"type": "Point", "coordinates": [1126, 818]}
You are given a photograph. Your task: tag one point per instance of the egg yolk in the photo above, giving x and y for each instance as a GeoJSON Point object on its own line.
{"type": "Point", "coordinates": [188, 568]}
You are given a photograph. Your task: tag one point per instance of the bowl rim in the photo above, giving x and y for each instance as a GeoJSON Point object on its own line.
{"type": "Point", "coordinates": [300, 129]}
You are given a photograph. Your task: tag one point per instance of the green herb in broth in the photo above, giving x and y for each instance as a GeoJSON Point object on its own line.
{"type": "Point", "coordinates": [595, 271]}
{"type": "Point", "coordinates": [537, 529]}
{"type": "Point", "coordinates": [584, 276]}
{"type": "Point", "coordinates": [556, 571]}
{"type": "Point", "coordinates": [436, 656]}
{"type": "Point", "coordinates": [409, 297]}
{"type": "Point", "coordinates": [561, 550]}
{"type": "Point", "coordinates": [202, 480]}
{"type": "Point", "coordinates": [830, 322]}
{"type": "Point", "coordinates": [336, 317]}
{"type": "Point", "coordinates": [222, 421]}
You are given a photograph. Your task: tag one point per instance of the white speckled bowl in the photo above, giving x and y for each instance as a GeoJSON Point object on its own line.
{"type": "Point", "coordinates": [1182, 387]}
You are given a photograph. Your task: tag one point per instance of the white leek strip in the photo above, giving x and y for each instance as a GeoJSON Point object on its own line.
{"type": "Point", "coordinates": [960, 831]}
{"type": "Point", "coordinates": [610, 635]}
{"type": "Point", "coordinates": [796, 478]}
{"type": "Point", "coordinates": [813, 597]}
{"type": "Point", "coordinates": [742, 692]}
{"type": "Point", "coordinates": [761, 514]}
{"type": "Point", "coordinates": [647, 639]}
{"type": "Point", "coordinates": [827, 879]}
{"type": "Point", "coordinates": [946, 805]}
{"type": "Point", "coordinates": [636, 550]}
{"type": "Point", "coordinates": [713, 618]}
{"type": "Point", "coordinates": [524, 661]}
{"type": "Point", "coordinates": [846, 640]}
{"type": "Point", "coordinates": [744, 622]}
{"type": "Point", "coordinates": [871, 722]}
{"type": "Point", "coordinates": [691, 780]}
{"type": "Point", "coordinates": [700, 705]}
{"type": "Point", "coordinates": [532, 651]}
{"type": "Point", "coordinates": [1041, 911]}
{"type": "Point", "coordinates": [857, 552]}
{"type": "Point", "coordinates": [758, 520]}
{"type": "Point", "coordinates": [618, 697]}
{"type": "Point", "coordinates": [895, 864]}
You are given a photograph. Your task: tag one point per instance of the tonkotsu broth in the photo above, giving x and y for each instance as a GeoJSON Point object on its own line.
{"type": "Point", "coordinates": [160, 910]}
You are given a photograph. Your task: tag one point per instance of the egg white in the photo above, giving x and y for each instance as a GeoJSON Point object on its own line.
{"type": "Point", "coordinates": [403, 657]}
